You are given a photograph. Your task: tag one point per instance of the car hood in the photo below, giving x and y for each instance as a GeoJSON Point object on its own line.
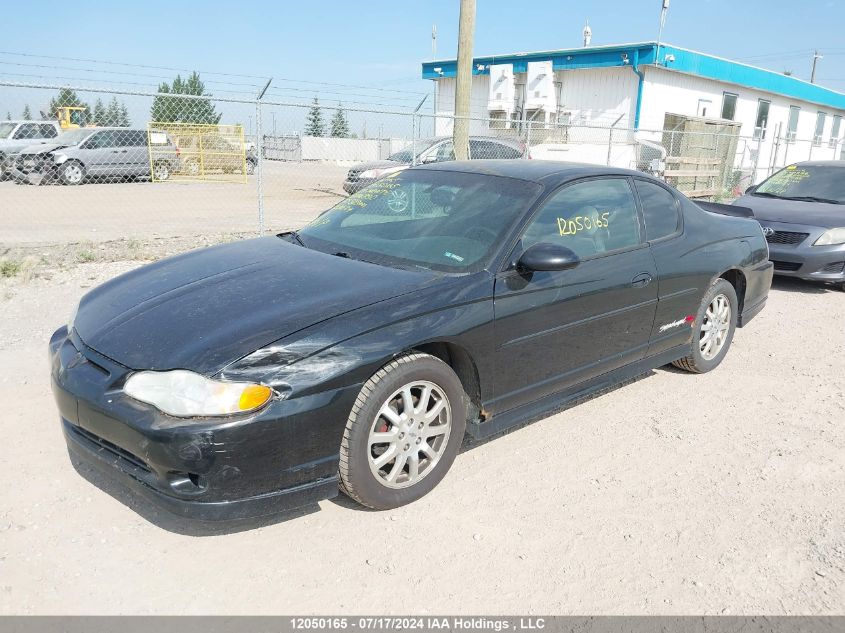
{"type": "Point", "coordinates": [16, 144]}
{"type": "Point", "coordinates": [794, 211]}
{"type": "Point", "coordinates": [378, 164]}
{"type": "Point", "coordinates": [40, 148]}
{"type": "Point", "coordinates": [207, 308]}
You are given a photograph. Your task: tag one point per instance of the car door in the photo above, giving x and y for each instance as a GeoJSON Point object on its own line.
{"type": "Point", "coordinates": [137, 157]}
{"type": "Point", "coordinates": [554, 330]}
{"type": "Point", "coordinates": [680, 285]}
{"type": "Point", "coordinates": [100, 155]}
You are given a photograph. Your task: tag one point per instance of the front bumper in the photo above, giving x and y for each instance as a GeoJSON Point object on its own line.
{"type": "Point", "coordinates": [33, 169]}
{"type": "Point", "coordinates": [802, 259]}
{"type": "Point", "coordinates": [282, 457]}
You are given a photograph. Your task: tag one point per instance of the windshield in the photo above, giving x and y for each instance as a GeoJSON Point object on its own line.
{"type": "Point", "coordinates": [438, 220]}
{"type": "Point", "coordinates": [6, 129]}
{"type": "Point", "coordinates": [407, 155]}
{"type": "Point", "coordinates": [74, 137]}
{"type": "Point", "coordinates": [822, 182]}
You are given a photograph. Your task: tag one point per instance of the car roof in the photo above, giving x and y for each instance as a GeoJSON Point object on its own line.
{"type": "Point", "coordinates": [821, 163]}
{"type": "Point", "coordinates": [542, 171]}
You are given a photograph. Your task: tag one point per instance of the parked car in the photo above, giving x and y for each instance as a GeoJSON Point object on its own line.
{"type": "Point", "coordinates": [255, 376]}
{"type": "Point", "coordinates": [16, 135]}
{"type": "Point", "coordinates": [98, 154]}
{"type": "Point", "coordinates": [802, 211]}
{"type": "Point", "coordinates": [211, 153]}
{"type": "Point", "coordinates": [433, 150]}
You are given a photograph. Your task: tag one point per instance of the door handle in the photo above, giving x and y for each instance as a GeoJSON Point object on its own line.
{"type": "Point", "coordinates": [641, 280]}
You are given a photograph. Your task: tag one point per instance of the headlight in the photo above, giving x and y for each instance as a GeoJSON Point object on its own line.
{"type": "Point", "coordinates": [378, 173]}
{"type": "Point", "coordinates": [833, 236]}
{"type": "Point", "coordinates": [59, 158]}
{"type": "Point", "coordinates": [184, 393]}
{"type": "Point", "coordinates": [72, 317]}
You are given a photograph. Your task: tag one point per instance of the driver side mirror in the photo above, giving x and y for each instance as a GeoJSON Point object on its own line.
{"type": "Point", "coordinates": [545, 256]}
{"type": "Point", "coordinates": [428, 158]}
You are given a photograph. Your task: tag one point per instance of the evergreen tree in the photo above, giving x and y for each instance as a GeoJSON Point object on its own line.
{"type": "Point", "coordinates": [314, 125]}
{"type": "Point", "coordinates": [8, 115]}
{"type": "Point", "coordinates": [113, 113]}
{"type": "Point", "coordinates": [66, 97]}
{"type": "Point", "coordinates": [340, 126]}
{"type": "Point", "coordinates": [27, 115]}
{"type": "Point", "coordinates": [124, 116]}
{"type": "Point", "coordinates": [98, 116]}
{"type": "Point", "coordinates": [168, 108]}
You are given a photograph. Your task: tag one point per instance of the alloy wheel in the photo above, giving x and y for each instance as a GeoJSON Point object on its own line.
{"type": "Point", "coordinates": [409, 434]}
{"type": "Point", "coordinates": [715, 327]}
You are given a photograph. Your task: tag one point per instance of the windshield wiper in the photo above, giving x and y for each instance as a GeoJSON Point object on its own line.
{"type": "Point", "coordinates": [812, 199]}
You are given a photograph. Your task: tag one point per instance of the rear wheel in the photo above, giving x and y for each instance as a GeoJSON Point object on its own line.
{"type": "Point", "coordinates": [161, 170]}
{"type": "Point", "coordinates": [714, 329]}
{"type": "Point", "coordinates": [72, 173]}
{"type": "Point", "coordinates": [403, 433]}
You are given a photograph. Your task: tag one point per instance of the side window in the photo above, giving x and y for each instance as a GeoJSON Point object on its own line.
{"type": "Point", "coordinates": [48, 131]}
{"type": "Point", "coordinates": [445, 151]}
{"type": "Point", "coordinates": [27, 130]}
{"type": "Point", "coordinates": [102, 140]}
{"type": "Point", "coordinates": [483, 149]}
{"type": "Point", "coordinates": [506, 151]}
{"type": "Point", "coordinates": [660, 210]}
{"type": "Point", "coordinates": [591, 218]}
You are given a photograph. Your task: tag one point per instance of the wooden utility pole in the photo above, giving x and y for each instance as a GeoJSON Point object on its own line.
{"type": "Point", "coordinates": [463, 83]}
{"type": "Point", "coordinates": [816, 58]}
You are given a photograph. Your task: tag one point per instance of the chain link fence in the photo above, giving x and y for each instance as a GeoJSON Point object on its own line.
{"type": "Point", "coordinates": [151, 165]}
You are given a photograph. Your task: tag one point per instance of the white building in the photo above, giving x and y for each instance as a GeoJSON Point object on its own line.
{"type": "Point", "coordinates": [647, 88]}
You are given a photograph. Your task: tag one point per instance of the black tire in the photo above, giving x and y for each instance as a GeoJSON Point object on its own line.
{"type": "Point", "coordinates": [695, 361]}
{"type": "Point", "coordinates": [161, 171]}
{"type": "Point", "coordinates": [358, 480]}
{"type": "Point", "coordinates": [72, 173]}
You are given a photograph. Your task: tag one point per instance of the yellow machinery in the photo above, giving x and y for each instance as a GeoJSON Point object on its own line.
{"type": "Point", "coordinates": [70, 116]}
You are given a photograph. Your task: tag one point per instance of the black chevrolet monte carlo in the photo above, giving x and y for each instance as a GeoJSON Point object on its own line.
{"type": "Point", "coordinates": [461, 297]}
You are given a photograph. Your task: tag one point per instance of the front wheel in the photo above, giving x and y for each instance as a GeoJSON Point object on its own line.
{"type": "Point", "coordinates": [403, 433]}
{"type": "Point", "coordinates": [72, 173]}
{"type": "Point", "coordinates": [714, 329]}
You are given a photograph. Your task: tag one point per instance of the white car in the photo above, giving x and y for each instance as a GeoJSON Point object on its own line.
{"type": "Point", "coordinates": [15, 135]}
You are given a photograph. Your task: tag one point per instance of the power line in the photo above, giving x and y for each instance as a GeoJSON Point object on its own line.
{"type": "Point", "coordinates": [100, 61]}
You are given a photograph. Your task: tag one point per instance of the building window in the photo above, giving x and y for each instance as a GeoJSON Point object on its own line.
{"type": "Point", "coordinates": [762, 121]}
{"type": "Point", "coordinates": [792, 124]}
{"type": "Point", "coordinates": [819, 131]}
{"type": "Point", "coordinates": [834, 130]}
{"type": "Point", "coordinates": [729, 105]}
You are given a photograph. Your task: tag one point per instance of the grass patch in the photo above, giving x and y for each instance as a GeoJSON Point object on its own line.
{"type": "Point", "coordinates": [87, 256]}
{"type": "Point", "coordinates": [9, 268]}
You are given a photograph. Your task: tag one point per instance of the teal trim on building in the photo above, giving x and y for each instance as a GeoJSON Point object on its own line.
{"type": "Point", "coordinates": [644, 53]}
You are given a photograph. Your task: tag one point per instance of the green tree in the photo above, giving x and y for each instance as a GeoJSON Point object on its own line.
{"type": "Point", "coordinates": [113, 113]}
{"type": "Point", "coordinates": [340, 126]}
{"type": "Point", "coordinates": [314, 125]}
{"type": "Point", "coordinates": [8, 115]}
{"type": "Point", "coordinates": [27, 114]}
{"type": "Point", "coordinates": [66, 97]}
{"type": "Point", "coordinates": [98, 116]}
{"type": "Point", "coordinates": [167, 107]}
{"type": "Point", "coordinates": [124, 116]}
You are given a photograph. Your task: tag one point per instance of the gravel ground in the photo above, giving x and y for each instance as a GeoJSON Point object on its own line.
{"type": "Point", "coordinates": [674, 494]}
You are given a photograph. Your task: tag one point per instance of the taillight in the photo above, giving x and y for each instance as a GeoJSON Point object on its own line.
{"type": "Point", "coordinates": [178, 152]}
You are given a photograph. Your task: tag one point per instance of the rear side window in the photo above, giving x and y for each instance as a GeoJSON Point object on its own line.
{"type": "Point", "coordinates": [48, 131]}
{"type": "Point", "coordinates": [28, 130]}
{"type": "Point", "coordinates": [660, 209]}
{"type": "Point", "coordinates": [591, 218]}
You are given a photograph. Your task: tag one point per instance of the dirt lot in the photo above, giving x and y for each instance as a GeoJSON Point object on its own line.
{"type": "Point", "coordinates": [674, 494]}
{"type": "Point", "coordinates": [293, 192]}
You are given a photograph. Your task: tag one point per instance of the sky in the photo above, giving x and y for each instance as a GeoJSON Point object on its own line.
{"type": "Point", "coordinates": [372, 47]}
